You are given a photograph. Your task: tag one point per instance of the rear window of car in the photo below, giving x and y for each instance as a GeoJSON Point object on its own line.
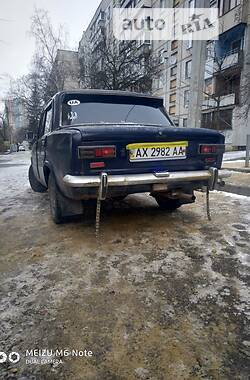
{"type": "Point", "coordinates": [110, 109]}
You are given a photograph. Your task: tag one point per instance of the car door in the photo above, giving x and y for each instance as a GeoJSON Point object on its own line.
{"type": "Point", "coordinates": [44, 131]}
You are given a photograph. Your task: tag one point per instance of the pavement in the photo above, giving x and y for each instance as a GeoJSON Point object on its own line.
{"type": "Point", "coordinates": [239, 182]}
{"type": "Point", "coordinates": [234, 155]}
{"type": "Point", "coordinates": [159, 296]}
{"type": "Point", "coordinates": [238, 166]}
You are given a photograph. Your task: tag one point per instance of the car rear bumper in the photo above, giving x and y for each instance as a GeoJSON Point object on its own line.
{"type": "Point", "coordinates": [211, 176]}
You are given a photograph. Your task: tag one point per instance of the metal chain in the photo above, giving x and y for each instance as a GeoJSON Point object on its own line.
{"type": "Point", "coordinates": [97, 218]}
{"type": "Point", "coordinates": [208, 204]}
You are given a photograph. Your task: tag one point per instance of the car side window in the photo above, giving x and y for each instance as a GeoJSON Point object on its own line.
{"type": "Point", "coordinates": [48, 120]}
{"type": "Point", "coordinates": [41, 126]}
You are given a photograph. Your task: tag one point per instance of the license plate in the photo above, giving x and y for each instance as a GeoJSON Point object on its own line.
{"type": "Point", "coordinates": [157, 151]}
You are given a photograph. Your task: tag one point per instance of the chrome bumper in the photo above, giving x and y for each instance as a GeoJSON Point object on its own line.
{"type": "Point", "coordinates": [211, 176]}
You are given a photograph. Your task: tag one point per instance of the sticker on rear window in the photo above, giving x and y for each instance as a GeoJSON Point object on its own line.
{"type": "Point", "coordinates": [72, 115]}
{"type": "Point", "coordinates": [73, 102]}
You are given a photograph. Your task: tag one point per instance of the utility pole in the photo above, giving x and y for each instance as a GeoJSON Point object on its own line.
{"type": "Point", "coordinates": [197, 77]}
{"type": "Point", "coordinates": [247, 152]}
{"type": "Point", "coordinates": [165, 56]}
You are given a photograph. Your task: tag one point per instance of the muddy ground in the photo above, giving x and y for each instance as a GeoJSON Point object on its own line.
{"type": "Point", "coordinates": [160, 296]}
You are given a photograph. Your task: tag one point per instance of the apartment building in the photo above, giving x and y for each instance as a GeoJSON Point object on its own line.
{"type": "Point", "coordinates": [93, 36]}
{"type": "Point", "coordinates": [203, 83]}
{"type": "Point", "coordinates": [66, 69]}
{"type": "Point", "coordinates": [227, 74]}
{"type": "Point", "coordinates": [15, 113]}
{"type": "Point", "coordinates": [224, 69]}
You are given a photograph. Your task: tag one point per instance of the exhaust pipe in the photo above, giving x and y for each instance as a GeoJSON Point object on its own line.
{"type": "Point", "coordinates": [189, 198]}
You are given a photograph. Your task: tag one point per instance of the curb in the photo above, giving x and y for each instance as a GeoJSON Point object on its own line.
{"type": "Point", "coordinates": [240, 170]}
{"type": "Point", "coordinates": [240, 190]}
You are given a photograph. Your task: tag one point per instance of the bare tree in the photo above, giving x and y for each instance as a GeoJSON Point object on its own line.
{"type": "Point", "coordinates": [245, 91]}
{"type": "Point", "coordinates": [48, 42]}
{"type": "Point", "coordinates": [28, 91]}
{"type": "Point", "coordinates": [119, 66]}
{"type": "Point", "coordinates": [47, 74]}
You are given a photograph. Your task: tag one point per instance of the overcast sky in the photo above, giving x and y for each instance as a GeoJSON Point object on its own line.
{"type": "Point", "coordinates": [17, 46]}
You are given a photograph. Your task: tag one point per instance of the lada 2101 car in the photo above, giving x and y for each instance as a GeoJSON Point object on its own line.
{"type": "Point", "coordinates": [108, 144]}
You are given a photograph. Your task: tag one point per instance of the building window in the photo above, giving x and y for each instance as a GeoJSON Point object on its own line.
{"type": "Point", "coordinates": [218, 120]}
{"type": "Point", "coordinates": [173, 83]}
{"type": "Point", "coordinates": [210, 51]}
{"type": "Point", "coordinates": [186, 98]}
{"type": "Point", "coordinates": [185, 123]}
{"type": "Point", "coordinates": [172, 110]}
{"type": "Point", "coordinates": [189, 44]}
{"type": "Point", "coordinates": [191, 4]}
{"type": "Point", "coordinates": [173, 70]}
{"type": "Point", "coordinates": [208, 88]}
{"type": "Point", "coordinates": [174, 45]}
{"type": "Point", "coordinates": [228, 5]}
{"type": "Point", "coordinates": [173, 59]}
{"type": "Point", "coordinates": [160, 81]}
{"type": "Point", "coordinates": [161, 55]}
{"type": "Point", "coordinates": [172, 97]}
{"type": "Point", "coordinates": [213, 2]}
{"type": "Point", "coordinates": [188, 69]}
{"type": "Point", "coordinates": [163, 4]}
{"type": "Point", "coordinates": [236, 45]}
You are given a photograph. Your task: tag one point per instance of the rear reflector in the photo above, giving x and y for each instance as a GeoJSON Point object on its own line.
{"type": "Point", "coordinates": [212, 148]}
{"type": "Point", "coordinates": [210, 159]}
{"type": "Point", "coordinates": [97, 152]}
{"type": "Point", "coordinates": [97, 165]}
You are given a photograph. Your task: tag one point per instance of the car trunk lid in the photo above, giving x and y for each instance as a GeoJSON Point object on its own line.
{"type": "Point", "coordinates": [123, 135]}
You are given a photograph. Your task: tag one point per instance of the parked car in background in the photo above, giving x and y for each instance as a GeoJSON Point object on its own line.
{"type": "Point", "coordinates": [109, 144]}
{"type": "Point", "coordinates": [21, 148]}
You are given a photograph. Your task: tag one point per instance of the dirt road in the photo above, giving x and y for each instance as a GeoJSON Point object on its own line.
{"type": "Point", "coordinates": [160, 296]}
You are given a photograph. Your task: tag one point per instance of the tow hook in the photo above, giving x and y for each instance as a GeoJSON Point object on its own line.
{"type": "Point", "coordinates": [102, 194]}
{"type": "Point", "coordinates": [213, 179]}
{"type": "Point", "coordinates": [211, 185]}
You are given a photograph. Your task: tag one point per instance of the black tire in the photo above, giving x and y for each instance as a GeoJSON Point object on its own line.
{"type": "Point", "coordinates": [54, 199]}
{"type": "Point", "coordinates": [120, 198]}
{"type": "Point", "coordinates": [34, 184]}
{"type": "Point", "coordinates": [167, 204]}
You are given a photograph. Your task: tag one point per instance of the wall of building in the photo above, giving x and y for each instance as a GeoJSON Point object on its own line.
{"type": "Point", "coordinates": [182, 64]}
{"type": "Point", "coordinates": [68, 63]}
{"type": "Point", "coordinates": [241, 117]}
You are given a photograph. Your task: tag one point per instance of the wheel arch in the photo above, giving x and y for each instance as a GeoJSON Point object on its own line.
{"type": "Point", "coordinates": [47, 169]}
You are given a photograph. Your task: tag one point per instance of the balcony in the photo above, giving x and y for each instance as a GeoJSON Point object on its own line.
{"type": "Point", "coordinates": [232, 61]}
{"type": "Point", "coordinates": [96, 40]}
{"type": "Point", "coordinates": [226, 100]}
{"type": "Point", "coordinates": [231, 19]}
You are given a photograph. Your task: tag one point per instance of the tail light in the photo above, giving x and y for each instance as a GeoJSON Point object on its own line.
{"type": "Point", "coordinates": [91, 152]}
{"type": "Point", "coordinates": [212, 148]}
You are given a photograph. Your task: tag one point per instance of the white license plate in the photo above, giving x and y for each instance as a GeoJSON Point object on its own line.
{"type": "Point", "coordinates": [157, 151]}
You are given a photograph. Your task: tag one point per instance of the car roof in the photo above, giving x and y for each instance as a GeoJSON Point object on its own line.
{"type": "Point", "coordinates": [109, 92]}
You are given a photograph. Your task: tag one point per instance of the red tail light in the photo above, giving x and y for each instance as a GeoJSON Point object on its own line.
{"type": "Point", "coordinates": [105, 152]}
{"type": "Point", "coordinates": [212, 148]}
{"type": "Point", "coordinates": [90, 152]}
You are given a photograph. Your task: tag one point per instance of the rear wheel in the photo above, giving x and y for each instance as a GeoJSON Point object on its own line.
{"type": "Point", "coordinates": [167, 203]}
{"type": "Point", "coordinates": [34, 184]}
